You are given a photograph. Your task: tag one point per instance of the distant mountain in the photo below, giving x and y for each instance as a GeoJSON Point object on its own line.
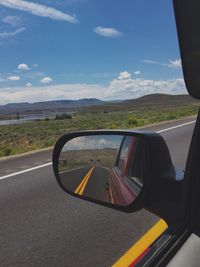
{"type": "Point", "coordinates": [152, 101]}
{"type": "Point", "coordinates": [55, 105]}
{"type": "Point", "coordinates": [161, 99]}
{"type": "Point", "coordinates": [93, 104]}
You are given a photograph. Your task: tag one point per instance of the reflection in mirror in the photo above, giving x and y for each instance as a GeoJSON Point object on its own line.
{"type": "Point", "coordinates": [108, 168]}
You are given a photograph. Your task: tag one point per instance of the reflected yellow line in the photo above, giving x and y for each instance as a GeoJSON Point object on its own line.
{"type": "Point", "coordinates": [80, 189]}
{"type": "Point", "coordinates": [111, 195]}
{"type": "Point", "coordinates": [138, 248]}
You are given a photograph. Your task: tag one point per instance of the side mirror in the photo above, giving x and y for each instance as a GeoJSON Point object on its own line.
{"type": "Point", "coordinates": [120, 169]}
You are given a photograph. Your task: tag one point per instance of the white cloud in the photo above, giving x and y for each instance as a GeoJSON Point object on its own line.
{"type": "Point", "coordinates": [12, 20]}
{"type": "Point", "coordinates": [29, 84]}
{"type": "Point", "coordinates": [14, 78]}
{"type": "Point", "coordinates": [107, 32]}
{"type": "Point", "coordinates": [133, 88]}
{"type": "Point", "coordinates": [126, 88]}
{"type": "Point", "coordinates": [50, 92]}
{"type": "Point", "coordinates": [46, 80]}
{"type": "Point", "coordinates": [150, 61]}
{"type": "Point", "coordinates": [39, 10]}
{"type": "Point", "coordinates": [124, 75]}
{"type": "Point", "coordinates": [23, 66]}
{"type": "Point", "coordinates": [35, 65]}
{"type": "Point", "coordinates": [93, 142]}
{"type": "Point", "coordinates": [175, 63]}
{"type": "Point", "coordinates": [137, 72]}
{"type": "Point", "coordinates": [172, 63]}
{"type": "Point", "coordinates": [5, 34]}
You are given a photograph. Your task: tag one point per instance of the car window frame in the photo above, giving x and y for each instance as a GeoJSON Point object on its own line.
{"type": "Point", "coordinates": [190, 198]}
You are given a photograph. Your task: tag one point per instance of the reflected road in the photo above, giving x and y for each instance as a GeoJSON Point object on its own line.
{"type": "Point", "coordinates": [88, 181]}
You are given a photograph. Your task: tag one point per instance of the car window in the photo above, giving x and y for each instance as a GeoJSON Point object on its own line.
{"type": "Point", "coordinates": [138, 162]}
{"type": "Point", "coordinates": [124, 154]}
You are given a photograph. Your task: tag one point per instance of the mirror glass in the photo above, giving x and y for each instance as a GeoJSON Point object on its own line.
{"type": "Point", "coordinates": [108, 168]}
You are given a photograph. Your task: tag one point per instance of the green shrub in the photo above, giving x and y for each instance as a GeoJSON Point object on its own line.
{"type": "Point", "coordinates": [171, 117]}
{"type": "Point", "coordinates": [63, 116]}
{"type": "Point", "coordinates": [132, 120]}
{"type": "Point", "coordinates": [49, 142]}
{"type": "Point", "coordinates": [7, 151]}
{"type": "Point", "coordinates": [112, 125]}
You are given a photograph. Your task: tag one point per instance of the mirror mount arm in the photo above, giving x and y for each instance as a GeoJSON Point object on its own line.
{"type": "Point", "coordinates": [164, 183]}
{"type": "Point", "coordinates": [165, 206]}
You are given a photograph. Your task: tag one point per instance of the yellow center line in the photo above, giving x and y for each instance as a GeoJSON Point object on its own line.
{"type": "Point", "coordinates": [142, 244]}
{"type": "Point", "coordinates": [80, 189]}
{"type": "Point", "coordinates": [86, 181]}
{"type": "Point", "coordinates": [82, 182]}
{"type": "Point", "coordinates": [111, 195]}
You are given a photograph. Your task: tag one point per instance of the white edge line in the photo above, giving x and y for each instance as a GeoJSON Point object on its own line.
{"type": "Point", "coordinates": [50, 163]}
{"type": "Point", "coordinates": [24, 171]}
{"type": "Point", "coordinates": [175, 127]}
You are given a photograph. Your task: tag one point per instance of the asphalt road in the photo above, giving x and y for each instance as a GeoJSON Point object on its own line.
{"type": "Point", "coordinates": [41, 225]}
{"type": "Point", "coordinates": [94, 185]}
{"type": "Point", "coordinates": [71, 179]}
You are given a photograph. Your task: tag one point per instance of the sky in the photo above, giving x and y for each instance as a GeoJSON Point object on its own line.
{"type": "Point", "coordinates": [94, 142]}
{"type": "Point", "coordinates": [73, 49]}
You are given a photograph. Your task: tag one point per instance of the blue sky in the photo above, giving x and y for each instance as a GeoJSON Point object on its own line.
{"type": "Point", "coordinates": [74, 49]}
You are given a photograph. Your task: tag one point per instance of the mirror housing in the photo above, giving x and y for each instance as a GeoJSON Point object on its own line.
{"type": "Point", "coordinates": [159, 184]}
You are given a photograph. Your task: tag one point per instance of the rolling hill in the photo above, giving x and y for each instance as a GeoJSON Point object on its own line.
{"type": "Point", "coordinates": [152, 101]}
{"type": "Point", "coordinates": [55, 105]}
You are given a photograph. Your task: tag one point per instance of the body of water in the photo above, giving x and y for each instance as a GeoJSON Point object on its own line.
{"type": "Point", "coordinates": [32, 117]}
